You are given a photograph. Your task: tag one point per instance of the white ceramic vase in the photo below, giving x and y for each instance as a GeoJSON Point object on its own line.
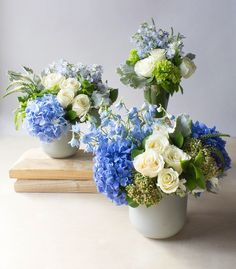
{"type": "Point", "coordinates": [162, 220]}
{"type": "Point", "coordinates": [60, 149]}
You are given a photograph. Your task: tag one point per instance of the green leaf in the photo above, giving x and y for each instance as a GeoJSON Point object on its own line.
{"type": "Point", "coordinates": [129, 77]}
{"type": "Point", "coordinates": [191, 184]}
{"type": "Point", "coordinates": [94, 116]}
{"type": "Point", "coordinates": [113, 94]}
{"type": "Point", "coordinates": [28, 70]}
{"type": "Point", "coordinates": [144, 141]}
{"type": "Point", "coordinates": [178, 139]}
{"type": "Point", "coordinates": [136, 152]}
{"type": "Point", "coordinates": [199, 159]}
{"type": "Point", "coordinates": [200, 179]}
{"type": "Point", "coordinates": [183, 125]}
{"type": "Point", "coordinates": [14, 90]}
{"type": "Point", "coordinates": [185, 164]}
{"type": "Point", "coordinates": [71, 115]}
{"type": "Point", "coordinates": [18, 76]}
{"type": "Point", "coordinates": [131, 203]}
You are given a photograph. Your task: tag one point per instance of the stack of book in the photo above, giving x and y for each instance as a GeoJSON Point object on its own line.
{"type": "Point", "coordinates": [36, 172]}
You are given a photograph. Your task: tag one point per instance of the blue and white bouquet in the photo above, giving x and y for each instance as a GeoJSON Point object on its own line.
{"type": "Point", "coordinates": [140, 159]}
{"type": "Point", "coordinates": [157, 64]}
{"type": "Point", "coordinates": [61, 98]}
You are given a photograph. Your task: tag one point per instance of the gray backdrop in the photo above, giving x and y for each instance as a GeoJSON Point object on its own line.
{"type": "Point", "coordinates": [35, 33]}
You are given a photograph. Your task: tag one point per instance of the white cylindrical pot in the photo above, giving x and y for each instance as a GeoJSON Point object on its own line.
{"type": "Point", "coordinates": [60, 148]}
{"type": "Point", "coordinates": [162, 220]}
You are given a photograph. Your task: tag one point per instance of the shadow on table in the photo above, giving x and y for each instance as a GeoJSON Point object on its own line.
{"type": "Point", "coordinates": [216, 229]}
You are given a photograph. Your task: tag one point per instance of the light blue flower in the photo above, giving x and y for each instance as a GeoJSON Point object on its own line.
{"type": "Point", "coordinates": [112, 168]}
{"type": "Point", "coordinates": [76, 128]}
{"type": "Point", "coordinates": [74, 142]}
{"type": "Point", "coordinates": [45, 118]}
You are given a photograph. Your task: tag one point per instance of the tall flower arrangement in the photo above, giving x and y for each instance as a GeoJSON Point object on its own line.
{"type": "Point", "coordinates": [64, 95]}
{"type": "Point", "coordinates": [141, 159]}
{"type": "Point", "coordinates": [157, 64]}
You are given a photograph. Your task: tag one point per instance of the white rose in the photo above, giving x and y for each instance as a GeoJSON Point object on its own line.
{"type": "Point", "coordinates": [168, 180]}
{"type": "Point", "coordinates": [65, 97]}
{"type": "Point", "coordinates": [70, 83]}
{"type": "Point", "coordinates": [187, 67]}
{"type": "Point", "coordinates": [158, 54]}
{"type": "Point", "coordinates": [81, 105]}
{"type": "Point", "coordinates": [149, 163]}
{"type": "Point", "coordinates": [173, 156]}
{"type": "Point", "coordinates": [146, 66]}
{"type": "Point", "coordinates": [157, 142]}
{"type": "Point", "coordinates": [52, 80]}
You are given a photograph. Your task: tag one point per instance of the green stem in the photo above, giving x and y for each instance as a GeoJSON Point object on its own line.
{"type": "Point", "coordinates": [213, 135]}
{"type": "Point", "coordinates": [157, 96]}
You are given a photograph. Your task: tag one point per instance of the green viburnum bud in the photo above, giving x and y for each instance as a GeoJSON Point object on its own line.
{"type": "Point", "coordinates": [133, 57]}
{"type": "Point", "coordinates": [209, 166]}
{"type": "Point", "coordinates": [167, 75]}
{"type": "Point", "coordinates": [143, 190]}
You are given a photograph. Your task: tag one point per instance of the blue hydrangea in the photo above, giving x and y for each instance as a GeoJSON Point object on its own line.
{"type": "Point", "coordinates": [200, 129]}
{"type": "Point", "coordinates": [113, 168]}
{"type": "Point", "coordinates": [112, 143]}
{"type": "Point", "coordinates": [45, 118]}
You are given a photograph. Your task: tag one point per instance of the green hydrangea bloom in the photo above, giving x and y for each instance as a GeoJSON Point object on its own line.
{"type": "Point", "coordinates": [143, 190]}
{"type": "Point", "coordinates": [167, 75]}
{"type": "Point", "coordinates": [133, 57]}
{"type": "Point", "coordinates": [209, 167]}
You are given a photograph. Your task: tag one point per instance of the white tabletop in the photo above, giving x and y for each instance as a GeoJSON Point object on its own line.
{"type": "Point", "coordinates": [70, 231]}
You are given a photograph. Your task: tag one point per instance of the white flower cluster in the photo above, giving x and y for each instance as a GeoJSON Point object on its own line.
{"type": "Point", "coordinates": [67, 94]}
{"type": "Point", "coordinates": [162, 160]}
{"type": "Point", "coordinates": [146, 66]}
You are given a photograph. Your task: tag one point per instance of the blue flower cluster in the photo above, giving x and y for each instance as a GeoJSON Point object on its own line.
{"type": "Point", "coordinates": [62, 67]}
{"type": "Point", "coordinates": [91, 73]}
{"type": "Point", "coordinates": [113, 168]}
{"type": "Point", "coordinates": [200, 129]}
{"type": "Point", "coordinates": [112, 143]}
{"type": "Point", "coordinates": [148, 38]}
{"type": "Point", "coordinates": [45, 118]}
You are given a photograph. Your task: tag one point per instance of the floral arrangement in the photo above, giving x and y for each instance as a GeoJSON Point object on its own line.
{"type": "Point", "coordinates": [64, 95]}
{"type": "Point", "coordinates": [141, 159]}
{"type": "Point", "coordinates": [157, 63]}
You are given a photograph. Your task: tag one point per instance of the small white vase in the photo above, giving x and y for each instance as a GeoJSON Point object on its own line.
{"type": "Point", "coordinates": [162, 220]}
{"type": "Point", "coordinates": [60, 149]}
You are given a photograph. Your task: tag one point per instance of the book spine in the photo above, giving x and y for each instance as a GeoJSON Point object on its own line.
{"type": "Point", "coordinates": [52, 186]}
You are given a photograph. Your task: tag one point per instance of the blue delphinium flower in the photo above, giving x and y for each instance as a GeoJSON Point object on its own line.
{"type": "Point", "coordinates": [91, 73]}
{"type": "Point", "coordinates": [112, 143]}
{"type": "Point", "coordinates": [74, 142]}
{"type": "Point", "coordinates": [62, 67]}
{"type": "Point", "coordinates": [45, 118]}
{"type": "Point", "coordinates": [76, 128]}
{"type": "Point", "coordinates": [200, 129]}
{"type": "Point", "coordinates": [113, 168]}
{"type": "Point", "coordinates": [148, 38]}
